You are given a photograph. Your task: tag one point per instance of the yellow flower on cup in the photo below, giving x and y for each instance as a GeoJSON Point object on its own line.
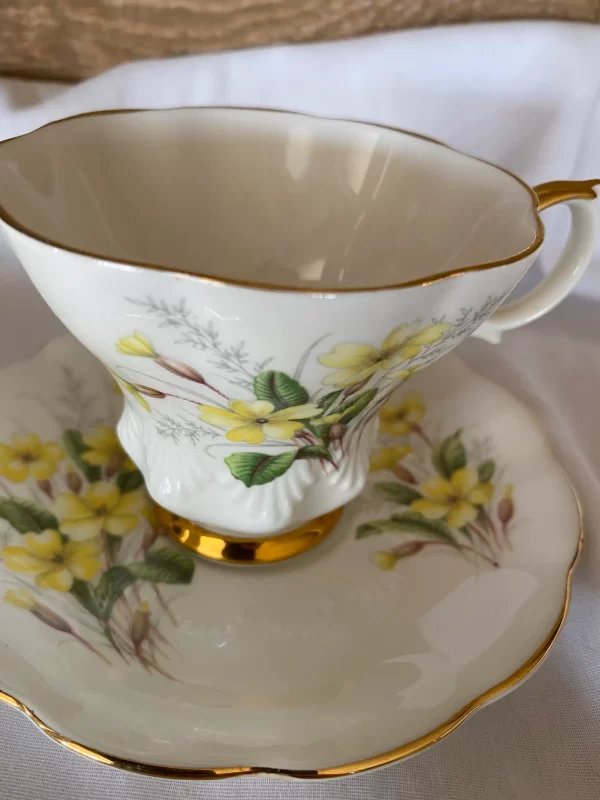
{"type": "Point", "coordinates": [55, 564]}
{"type": "Point", "coordinates": [402, 419]}
{"type": "Point", "coordinates": [388, 457]}
{"type": "Point", "coordinates": [28, 457]}
{"type": "Point", "coordinates": [455, 499]}
{"type": "Point", "coordinates": [101, 507]}
{"type": "Point", "coordinates": [20, 598]}
{"type": "Point", "coordinates": [357, 362]}
{"type": "Point", "coordinates": [136, 345]}
{"type": "Point", "coordinates": [255, 421]}
{"type": "Point", "coordinates": [103, 446]}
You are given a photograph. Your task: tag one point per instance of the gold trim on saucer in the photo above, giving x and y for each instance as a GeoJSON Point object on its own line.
{"type": "Point", "coordinates": [405, 751]}
{"type": "Point", "coordinates": [247, 551]}
{"type": "Point", "coordinates": [572, 190]}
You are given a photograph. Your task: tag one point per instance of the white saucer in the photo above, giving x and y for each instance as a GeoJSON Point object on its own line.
{"type": "Point", "coordinates": [365, 650]}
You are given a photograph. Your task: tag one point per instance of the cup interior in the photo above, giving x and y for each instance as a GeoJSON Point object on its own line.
{"type": "Point", "coordinates": [262, 197]}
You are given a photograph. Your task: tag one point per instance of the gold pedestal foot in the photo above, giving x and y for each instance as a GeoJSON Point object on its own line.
{"type": "Point", "coordinates": [233, 550]}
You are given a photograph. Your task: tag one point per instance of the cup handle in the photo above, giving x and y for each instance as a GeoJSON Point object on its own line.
{"type": "Point", "coordinates": [571, 264]}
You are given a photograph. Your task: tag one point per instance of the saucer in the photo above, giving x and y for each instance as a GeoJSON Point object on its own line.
{"type": "Point", "coordinates": [443, 586]}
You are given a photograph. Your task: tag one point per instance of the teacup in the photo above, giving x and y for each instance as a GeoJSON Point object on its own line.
{"type": "Point", "coordinates": [259, 282]}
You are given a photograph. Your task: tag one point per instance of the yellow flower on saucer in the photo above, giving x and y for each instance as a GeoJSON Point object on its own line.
{"type": "Point", "coordinates": [388, 457]}
{"type": "Point", "coordinates": [104, 445]}
{"type": "Point", "coordinates": [402, 419]}
{"type": "Point", "coordinates": [136, 345]}
{"type": "Point", "coordinates": [55, 564]}
{"type": "Point", "coordinates": [357, 362]}
{"type": "Point", "coordinates": [101, 507]}
{"type": "Point", "coordinates": [28, 457]}
{"type": "Point", "coordinates": [252, 422]}
{"type": "Point", "coordinates": [20, 598]}
{"type": "Point", "coordinates": [455, 499]}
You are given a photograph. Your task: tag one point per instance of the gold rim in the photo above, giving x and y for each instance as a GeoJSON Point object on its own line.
{"type": "Point", "coordinates": [6, 217]}
{"type": "Point", "coordinates": [356, 767]}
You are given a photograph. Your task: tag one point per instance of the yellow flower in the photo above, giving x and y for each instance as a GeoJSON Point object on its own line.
{"type": "Point", "coordinates": [103, 446]}
{"type": "Point", "coordinates": [384, 559]}
{"type": "Point", "coordinates": [136, 345]}
{"type": "Point", "coordinates": [455, 499]}
{"type": "Point", "coordinates": [27, 456]}
{"type": "Point", "coordinates": [55, 564]}
{"type": "Point", "coordinates": [20, 598]}
{"type": "Point", "coordinates": [254, 421]}
{"type": "Point", "coordinates": [357, 362]}
{"type": "Point", "coordinates": [101, 507]}
{"type": "Point", "coordinates": [388, 457]}
{"type": "Point", "coordinates": [130, 388]}
{"type": "Point", "coordinates": [403, 418]}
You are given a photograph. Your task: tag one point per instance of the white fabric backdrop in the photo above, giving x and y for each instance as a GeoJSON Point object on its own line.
{"type": "Point", "coordinates": [526, 95]}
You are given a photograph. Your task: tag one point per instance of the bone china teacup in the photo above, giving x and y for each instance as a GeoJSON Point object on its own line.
{"type": "Point", "coordinates": [258, 283]}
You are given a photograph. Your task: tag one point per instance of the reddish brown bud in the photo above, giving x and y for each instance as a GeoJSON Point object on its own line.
{"type": "Point", "coordinates": [150, 536]}
{"type": "Point", "coordinates": [336, 431]}
{"type": "Point", "coordinates": [506, 507]}
{"type": "Point", "coordinates": [46, 487]}
{"type": "Point", "coordinates": [180, 368]}
{"type": "Point", "coordinates": [403, 474]}
{"type": "Point", "coordinates": [140, 625]}
{"type": "Point", "coordinates": [48, 617]}
{"type": "Point", "coordinates": [115, 463]}
{"type": "Point", "coordinates": [74, 482]}
{"type": "Point", "coordinates": [407, 549]}
{"type": "Point", "coordinates": [149, 391]}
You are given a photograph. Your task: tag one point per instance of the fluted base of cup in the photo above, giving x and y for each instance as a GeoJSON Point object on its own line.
{"type": "Point", "coordinates": [251, 551]}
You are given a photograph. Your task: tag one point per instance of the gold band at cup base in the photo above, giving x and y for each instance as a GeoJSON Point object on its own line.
{"type": "Point", "coordinates": [252, 552]}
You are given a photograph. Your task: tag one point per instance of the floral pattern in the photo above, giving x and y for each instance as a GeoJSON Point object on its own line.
{"type": "Point", "coordinates": [271, 408]}
{"type": "Point", "coordinates": [442, 498]}
{"type": "Point", "coordinates": [78, 529]}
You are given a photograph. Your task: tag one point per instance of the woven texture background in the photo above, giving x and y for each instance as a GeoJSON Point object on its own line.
{"type": "Point", "coordinates": [72, 39]}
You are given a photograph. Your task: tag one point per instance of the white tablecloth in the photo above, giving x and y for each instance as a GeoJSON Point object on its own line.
{"type": "Point", "coordinates": [526, 95]}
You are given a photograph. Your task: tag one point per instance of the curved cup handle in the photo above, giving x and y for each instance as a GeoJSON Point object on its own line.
{"type": "Point", "coordinates": [572, 262]}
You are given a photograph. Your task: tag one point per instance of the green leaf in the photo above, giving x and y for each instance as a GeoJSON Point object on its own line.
{"type": "Point", "coordinates": [129, 480]}
{"type": "Point", "coordinates": [84, 594]}
{"type": "Point", "coordinates": [449, 456]}
{"type": "Point", "coordinates": [398, 493]}
{"type": "Point", "coordinates": [166, 565]}
{"type": "Point", "coordinates": [111, 586]}
{"type": "Point", "coordinates": [329, 399]}
{"type": "Point", "coordinates": [75, 448]}
{"type": "Point", "coordinates": [409, 522]}
{"type": "Point", "coordinates": [279, 389]}
{"type": "Point", "coordinates": [466, 532]}
{"type": "Point", "coordinates": [414, 522]}
{"type": "Point", "coordinates": [255, 469]}
{"type": "Point", "coordinates": [315, 451]}
{"type": "Point", "coordinates": [359, 404]}
{"type": "Point", "coordinates": [486, 470]}
{"type": "Point", "coordinates": [25, 516]}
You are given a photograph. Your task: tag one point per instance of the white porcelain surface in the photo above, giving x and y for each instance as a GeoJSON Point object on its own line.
{"type": "Point", "coordinates": [230, 413]}
{"type": "Point", "coordinates": [359, 648]}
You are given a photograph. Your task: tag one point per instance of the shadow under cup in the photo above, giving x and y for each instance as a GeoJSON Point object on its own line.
{"type": "Point", "coordinates": [264, 281]}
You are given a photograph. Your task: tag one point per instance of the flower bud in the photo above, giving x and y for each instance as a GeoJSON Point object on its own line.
{"type": "Point", "coordinates": [140, 625]}
{"type": "Point", "coordinates": [149, 391]}
{"type": "Point", "coordinates": [20, 598]}
{"type": "Point", "coordinates": [506, 506]}
{"type": "Point", "coordinates": [403, 474]}
{"type": "Point", "coordinates": [46, 487]}
{"type": "Point", "coordinates": [356, 387]}
{"type": "Point", "coordinates": [336, 431]}
{"type": "Point", "coordinates": [180, 368]}
{"type": "Point", "coordinates": [48, 617]}
{"type": "Point", "coordinates": [115, 463]}
{"type": "Point", "coordinates": [74, 481]}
